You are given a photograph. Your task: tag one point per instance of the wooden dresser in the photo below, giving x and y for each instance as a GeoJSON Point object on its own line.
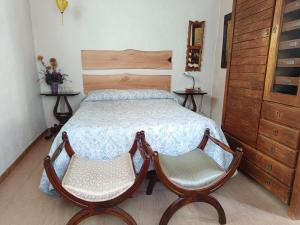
{"type": "Point", "coordinates": [262, 98]}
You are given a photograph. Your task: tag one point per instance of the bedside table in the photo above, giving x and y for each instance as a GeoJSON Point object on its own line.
{"type": "Point", "coordinates": [191, 95]}
{"type": "Point", "coordinates": [62, 117]}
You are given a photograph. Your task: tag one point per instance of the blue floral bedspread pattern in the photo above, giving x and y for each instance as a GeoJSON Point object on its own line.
{"type": "Point", "coordinates": [103, 130]}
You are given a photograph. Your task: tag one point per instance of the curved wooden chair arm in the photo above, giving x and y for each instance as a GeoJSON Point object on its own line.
{"type": "Point", "coordinates": [64, 145]}
{"type": "Point", "coordinates": [145, 145]}
{"type": "Point", "coordinates": [237, 156]}
{"type": "Point", "coordinates": [138, 146]}
{"type": "Point", "coordinates": [207, 137]}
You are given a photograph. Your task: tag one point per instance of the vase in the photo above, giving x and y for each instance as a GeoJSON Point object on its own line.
{"type": "Point", "coordinates": [54, 88]}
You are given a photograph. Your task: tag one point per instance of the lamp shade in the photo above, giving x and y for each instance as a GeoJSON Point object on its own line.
{"type": "Point", "coordinates": [191, 76]}
{"type": "Point", "coordinates": [62, 5]}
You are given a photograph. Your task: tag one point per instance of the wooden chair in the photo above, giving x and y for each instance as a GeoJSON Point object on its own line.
{"type": "Point", "coordinates": [98, 186]}
{"type": "Point", "coordinates": [192, 176]}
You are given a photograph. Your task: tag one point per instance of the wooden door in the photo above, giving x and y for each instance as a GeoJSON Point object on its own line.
{"type": "Point", "coordinates": [283, 74]}
{"type": "Point", "coordinates": [247, 68]}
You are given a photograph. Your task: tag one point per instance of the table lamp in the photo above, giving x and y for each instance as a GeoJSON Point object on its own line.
{"type": "Point", "coordinates": [188, 90]}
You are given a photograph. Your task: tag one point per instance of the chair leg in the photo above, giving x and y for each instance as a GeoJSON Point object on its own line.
{"type": "Point", "coordinates": [116, 211]}
{"type": "Point", "coordinates": [216, 204]}
{"type": "Point", "coordinates": [151, 185]}
{"type": "Point", "coordinates": [181, 202]}
{"type": "Point", "coordinates": [171, 210]}
{"type": "Point", "coordinates": [80, 216]}
{"type": "Point", "coordinates": [153, 179]}
{"type": "Point", "coordinates": [120, 213]}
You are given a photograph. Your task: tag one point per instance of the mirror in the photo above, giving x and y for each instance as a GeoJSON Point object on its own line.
{"type": "Point", "coordinates": [194, 46]}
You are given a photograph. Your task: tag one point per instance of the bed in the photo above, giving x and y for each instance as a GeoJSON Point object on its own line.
{"type": "Point", "coordinates": [107, 120]}
{"type": "Point", "coordinates": [119, 105]}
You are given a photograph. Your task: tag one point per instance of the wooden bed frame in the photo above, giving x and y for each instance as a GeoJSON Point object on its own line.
{"type": "Point", "coordinates": [127, 59]}
{"type": "Point", "coordinates": [126, 81]}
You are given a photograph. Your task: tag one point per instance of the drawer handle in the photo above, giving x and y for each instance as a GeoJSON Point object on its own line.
{"type": "Point", "coordinates": [287, 81]}
{"type": "Point", "coordinates": [268, 182]}
{"type": "Point", "coordinates": [275, 132]}
{"type": "Point", "coordinates": [277, 113]}
{"type": "Point", "coordinates": [269, 167]}
{"type": "Point", "coordinates": [290, 62]}
{"type": "Point", "coordinates": [273, 149]}
{"type": "Point", "coordinates": [293, 43]}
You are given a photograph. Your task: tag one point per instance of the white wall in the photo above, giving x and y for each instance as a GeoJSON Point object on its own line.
{"type": "Point", "coordinates": [21, 108]}
{"type": "Point", "coordinates": [219, 73]}
{"type": "Point", "coordinates": [127, 24]}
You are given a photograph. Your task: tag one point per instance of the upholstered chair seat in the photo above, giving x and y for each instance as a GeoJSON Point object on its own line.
{"type": "Point", "coordinates": [194, 169]}
{"type": "Point", "coordinates": [97, 181]}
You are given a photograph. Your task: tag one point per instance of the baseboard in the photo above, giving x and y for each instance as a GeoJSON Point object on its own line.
{"type": "Point", "coordinates": [19, 159]}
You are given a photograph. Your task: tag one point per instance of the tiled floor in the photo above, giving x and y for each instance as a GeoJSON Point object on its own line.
{"type": "Point", "coordinates": [244, 202]}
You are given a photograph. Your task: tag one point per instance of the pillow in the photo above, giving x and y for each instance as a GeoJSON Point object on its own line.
{"type": "Point", "coordinates": [132, 94]}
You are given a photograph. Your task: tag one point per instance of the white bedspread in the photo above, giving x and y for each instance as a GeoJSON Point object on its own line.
{"type": "Point", "coordinates": [105, 129]}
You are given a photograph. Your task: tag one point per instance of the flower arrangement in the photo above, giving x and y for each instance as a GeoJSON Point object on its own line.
{"type": "Point", "coordinates": [51, 74]}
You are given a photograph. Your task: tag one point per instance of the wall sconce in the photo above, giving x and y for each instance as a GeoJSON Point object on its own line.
{"type": "Point", "coordinates": [62, 5]}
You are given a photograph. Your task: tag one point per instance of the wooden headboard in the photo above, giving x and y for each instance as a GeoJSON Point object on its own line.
{"type": "Point", "coordinates": [127, 59]}
{"type": "Point", "coordinates": [126, 81]}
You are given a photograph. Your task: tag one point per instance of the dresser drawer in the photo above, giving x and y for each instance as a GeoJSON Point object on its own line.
{"type": "Point", "coordinates": [269, 165]}
{"type": "Point", "coordinates": [282, 114]}
{"type": "Point", "coordinates": [292, 6]}
{"type": "Point", "coordinates": [289, 62]}
{"type": "Point", "coordinates": [285, 135]}
{"type": "Point", "coordinates": [291, 44]}
{"type": "Point", "coordinates": [291, 25]}
{"type": "Point", "coordinates": [277, 151]}
{"type": "Point", "coordinates": [288, 81]}
{"type": "Point", "coordinates": [270, 183]}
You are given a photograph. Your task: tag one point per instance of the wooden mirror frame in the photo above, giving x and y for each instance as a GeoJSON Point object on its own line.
{"type": "Point", "coordinates": [194, 45]}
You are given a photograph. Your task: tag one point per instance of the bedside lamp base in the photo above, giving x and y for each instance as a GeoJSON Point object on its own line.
{"type": "Point", "coordinates": [190, 90]}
